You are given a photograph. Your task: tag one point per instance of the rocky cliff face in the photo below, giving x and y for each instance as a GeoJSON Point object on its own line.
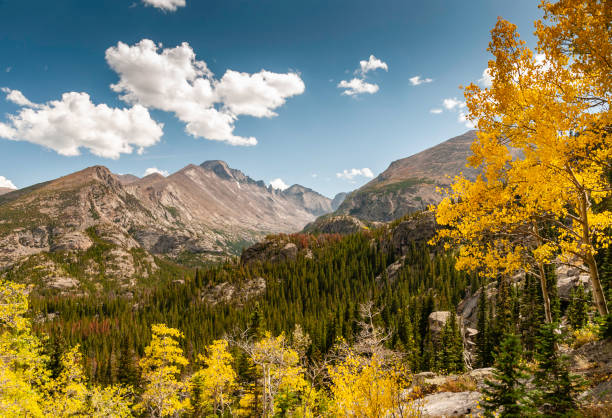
{"type": "Point", "coordinates": [409, 185]}
{"type": "Point", "coordinates": [206, 212]}
{"type": "Point", "coordinates": [310, 200]}
{"type": "Point", "coordinates": [338, 199]}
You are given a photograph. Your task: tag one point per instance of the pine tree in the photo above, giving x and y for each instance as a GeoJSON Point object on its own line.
{"type": "Point", "coordinates": [450, 355]}
{"type": "Point", "coordinates": [506, 393]}
{"type": "Point", "coordinates": [484, 356]}
{"type": "Point", "coordinates": [556, 387]}
{"type": "Point", "coordinates": [532, 314]}
{"type": "Point", "coordinates": [127, 373]}
{"type": "Point", "coordinates": [257, 326]}
{"type": "Point", "coordinates": [577, 311]}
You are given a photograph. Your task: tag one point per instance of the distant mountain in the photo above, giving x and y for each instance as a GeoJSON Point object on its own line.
{"type": "Point", "coordinates": [409, 184]}
{"type": "Point", "coordinates": [127, 178]}
{"type": "Point", "coordinates": [313, 202]}
{"type": "Point", "coordinates": [198, 214]}
{"type": "Point", "coordinates": [5, 190]}
{"type": "Point", "coordinates": [338, 199]}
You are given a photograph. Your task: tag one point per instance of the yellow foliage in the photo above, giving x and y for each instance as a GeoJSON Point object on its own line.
{"type": "Point", "coordinates": [366, 389]}
{"type": "Point", "coordinates": [68, 393]}
{"type": "Point", "coordinates": [543, 146]}
{"type": "Point", "coordinates": [585, 335]}
{"type": "Point", "coordinates": [214, 383]}
{"type": "Point", "coordinates": [164, 394]}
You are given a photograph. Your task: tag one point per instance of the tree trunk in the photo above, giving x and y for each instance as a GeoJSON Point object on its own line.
{"type": "Point", "coordinates": [599, 298]}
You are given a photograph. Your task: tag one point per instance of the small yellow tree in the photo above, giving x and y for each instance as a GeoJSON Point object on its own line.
{"type": "Point", "coordinates": [68, 393]}
{"type": "Point", "coordinates": [22, 364]}
{"type": "Point", "coordinates": [110, 402]}
{"type": "Point", "coordinates": [362, 387]}
{"type": "Point", "coordinates": [212, 385]}
{"type": "Point", "coordinates": [279, 366]}
{"type": "Point", "coordinates": [164, 394]}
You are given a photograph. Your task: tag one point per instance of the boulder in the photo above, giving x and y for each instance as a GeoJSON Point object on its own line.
{"type": "Point", "coordinates": [437, 320]}
{"type": "Point", "coordinates": [445, 404]}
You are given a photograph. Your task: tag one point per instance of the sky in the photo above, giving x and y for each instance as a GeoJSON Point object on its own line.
{"type": "Point", "coordinates": [323, 93]}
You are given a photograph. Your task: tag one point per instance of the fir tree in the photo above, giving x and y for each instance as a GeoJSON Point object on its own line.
{"type": "Point", "coordinates": [555, 387]}
{"type": "Point", "coordinates": [577, 312]}
{"type": "Point", "coordinates": [506, 393]}
{"type": "Point", "coordinates": [484, 357]}
{"type": "Point", "coordinates": [532, 314]}
{"type": "Point", "coordinates": [450, 355]}
{"type": "Point", "coordinates": [127, 372]}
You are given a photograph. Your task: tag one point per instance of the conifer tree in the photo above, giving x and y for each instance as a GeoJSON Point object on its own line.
{"type": "Point", "coordinates": [577, 311]}
{"type": "Point", "coordinates": [484, 356]}
{"type": "Point", "coordinates": [450, 354]}
{"type": "Point", "coordinates": [506, 394]}
{"type": "Point", "coordinates": [555, 387]}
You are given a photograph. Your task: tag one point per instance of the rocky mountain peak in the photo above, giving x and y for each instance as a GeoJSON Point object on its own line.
{"type": "Point", "coordinates": [220, 168]}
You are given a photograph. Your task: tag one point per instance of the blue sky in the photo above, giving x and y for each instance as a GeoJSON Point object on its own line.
{"type": "Point", "coordinates": [48, 49]}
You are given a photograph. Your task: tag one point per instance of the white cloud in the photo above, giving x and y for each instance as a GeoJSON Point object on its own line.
{"type": "Point", "coordinates": [436, 111]}
{"type": "Point", "coordinates": [172, 80]}
{"type": "Point", "coordinates": [357, 86]}
{"type": "Point", "coordinates": [153, 170]}
{"type": "Point", "coordinates": [315, 175]}
{"type": "Point", "coordinates": [417, 80]}
{"type": "Point", "coordinates": [372, 64]}
{"type": "Point", "coordinates": [354, 172]}
{"type": "Point", "coordinates": [17, 97]}
{"type": "Point", "coordinates": [486, 80]}
{"type": "Point", "coordinates": [279, 184]}
{"type": "Point", "coordinates": [4, 182]}
{"type": "Point", "coordinates": [168, 5]}
{"type": "Point", "coordinates": [462, 118]}
{"type": "Point", "coordinates": [453, 103]}
{"type": "Point", "coordinates": [74, 122]}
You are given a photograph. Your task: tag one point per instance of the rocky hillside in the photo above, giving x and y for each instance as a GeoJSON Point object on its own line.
{"type": "Point", "coordinates": [310, 200]}
{"type": "Point", "coordinates": [198, 214]}
{"type": "Point", "coordinates": [409, 184]}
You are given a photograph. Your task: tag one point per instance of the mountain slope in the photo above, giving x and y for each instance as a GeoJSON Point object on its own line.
{"type": "Point", "coordinates": [409, 184]}
{"type": "Point", "coordinates": [198, 214]}
{"type": "Point", "coordinates": [313, 202]}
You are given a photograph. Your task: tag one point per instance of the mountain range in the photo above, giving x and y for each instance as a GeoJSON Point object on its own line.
{"type": "Point", "coordinates": [120, 226]}
{"type": "Point", "coordinates": [203, 212]}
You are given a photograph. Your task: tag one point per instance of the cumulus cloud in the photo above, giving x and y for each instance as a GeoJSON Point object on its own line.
{"type": "Point", "coordinates": [173, 80]}
{"type": "Point", "coordinates": [417, 80]}
{"type": "Point", "coordinates": [436, 111]}
{"type": "Point", "coordinates": [279, 184]}
{"type": "Point", "coordinates": [486, 80]}
{"type": "Point", "coordinates": [4, 182]}
{"type": "Point", "coordinates": [462, 118]}
{"type": "Point", "coordinates": [166, 5]}
{"type": "Point", "coordinates": [372, 64]}
{"type": "Point", "coordinates": [453, 103]}
{"type": "Point", "coordinates": [154, 170]}
{"type": "Point", "coordinates": [355, 172]}
{"type": "Point", "coordinates": [74, 122]}
{"type": "Point", "coordinates": [357, 86]}
{"type": "Point", "coordinates": [17, 97]}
